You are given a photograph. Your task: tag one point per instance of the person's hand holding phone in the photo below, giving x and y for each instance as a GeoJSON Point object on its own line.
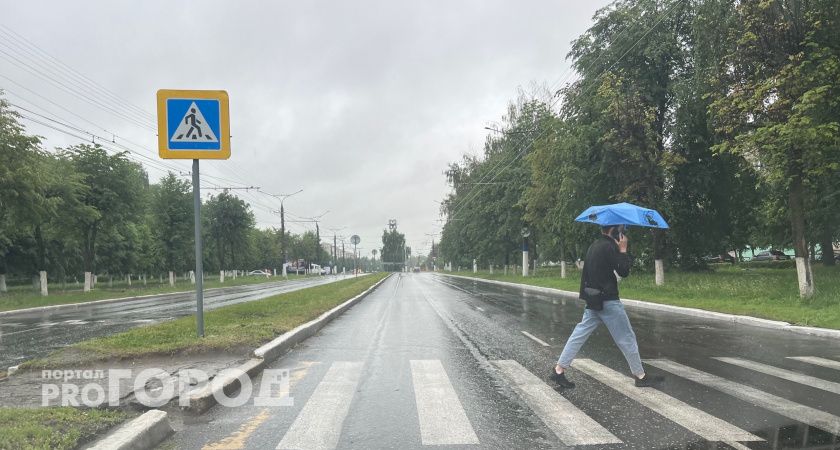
{"type": "Point", "coordinates": [622, 243]}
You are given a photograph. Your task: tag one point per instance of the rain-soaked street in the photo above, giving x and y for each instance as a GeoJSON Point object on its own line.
{"type": "Point", "coordinates": [26, 334]}
{"type": "Point", "coordinates": [433, 360]}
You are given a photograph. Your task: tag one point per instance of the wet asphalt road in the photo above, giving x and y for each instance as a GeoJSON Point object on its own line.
{"type": "Point", "coordinates": [427, 360]}
{"type": "Point", "coordinates": [28, 335]}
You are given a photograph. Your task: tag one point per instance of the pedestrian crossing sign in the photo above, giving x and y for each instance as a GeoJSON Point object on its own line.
{"type": "Point", "coordinates": [193, 124]}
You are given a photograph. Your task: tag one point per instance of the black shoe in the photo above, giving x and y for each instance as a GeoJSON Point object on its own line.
{"type": "Point", "coordinates": [649, 380]}
{"type": "Point", "coordinates": [560, 379]}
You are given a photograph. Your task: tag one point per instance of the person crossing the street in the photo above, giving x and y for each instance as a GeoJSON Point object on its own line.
{"type": "Point", "coordinates": [606, 259]}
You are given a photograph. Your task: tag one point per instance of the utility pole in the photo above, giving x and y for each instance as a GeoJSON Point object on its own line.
{"type": "Point", "coordinates": [283, 242]}
{"type": "Point", "coordinates": [335, 252]}
{"type": "Point", "coordinates": [317, 240]}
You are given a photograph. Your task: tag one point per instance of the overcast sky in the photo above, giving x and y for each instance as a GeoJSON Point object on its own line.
{"type": "Point", "coordinates": [361, 104]}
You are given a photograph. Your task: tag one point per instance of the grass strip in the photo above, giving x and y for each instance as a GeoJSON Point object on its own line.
{"type": "Point", "coordinates": [758, 291]}
{"type": "Point", "coordinates": [231, 328]}
{"type": "Point", "coordinates": [54, 428]}
{"type": "Point", "coordinates": [25, 296]}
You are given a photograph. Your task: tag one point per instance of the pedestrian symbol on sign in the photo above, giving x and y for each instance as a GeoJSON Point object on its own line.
{"type": "Point", "coordinates": [193, 127]}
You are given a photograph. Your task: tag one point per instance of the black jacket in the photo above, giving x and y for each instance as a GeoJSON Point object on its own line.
{"type": "Point", "coordinates": [602, 259]}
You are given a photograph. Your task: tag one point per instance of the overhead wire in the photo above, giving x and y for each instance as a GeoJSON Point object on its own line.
{"type": "Point", "coordinates": [85, 80]}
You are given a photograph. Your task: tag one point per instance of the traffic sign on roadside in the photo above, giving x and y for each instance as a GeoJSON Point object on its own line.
{"type": "Point", "coordinates": [193, 124]}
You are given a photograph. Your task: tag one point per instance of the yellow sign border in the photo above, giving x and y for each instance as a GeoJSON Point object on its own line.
{"type": "Point", "coordinates": [224, 124]}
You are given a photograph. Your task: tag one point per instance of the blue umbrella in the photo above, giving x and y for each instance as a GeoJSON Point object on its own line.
{"type": "Point", "coordinates": [622, 214]}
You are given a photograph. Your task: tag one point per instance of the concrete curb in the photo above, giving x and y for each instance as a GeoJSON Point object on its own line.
{"type": "Point", "coordinates": [281, 344]}
{"type": "Point", "coordinates": [144, 432]}
{"type": "Point", "coordinates": [70, 306]}
{"type": "Point", "coordinates": [205, 398]}
{"type": "Point", "coordinates": [693, 312]}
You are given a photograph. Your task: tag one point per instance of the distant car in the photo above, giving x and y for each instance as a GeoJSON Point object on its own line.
{"type": "Point", "coordinates": [770, 255]}
{"type": "Point", "coordinates": [259, 272]}
{"type": "Point", "coordinates": [416, 270]}
{"type": "Point", "coordinates": [722, 258]}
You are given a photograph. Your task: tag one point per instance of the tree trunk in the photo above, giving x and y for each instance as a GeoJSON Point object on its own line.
{"type": "Point", "coordinates": [562, 262]}
{"type": "Point", "coordinates": [3, 287]}
{"type": "Point", "coordinates": [42, 251]}
{"type": "Point", "coordinates": [796, 206]}
{"type": "Point", "coordinates": [658, 263]}
{"type": "Point", "coordinates": [827, 246]}
{"type": "Point", "coordinates": [88, 281]}
{"type": "Point", "coordinates": [171, 278]}
{"type": "Point", "coordinates": [42, 275]}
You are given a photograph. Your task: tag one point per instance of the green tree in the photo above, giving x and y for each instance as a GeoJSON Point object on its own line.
{"type": "Point", "coordinates": [777, 104]}
{"type": "Point", "coordinates": [115, 189]}
{"type": "Point", "coordinates": [393, 251]}
{"type": "Point", "coordinates": [172, 222]}
{"type": "Point", "coordinates": [19, 182]}
{"type": "Point", "coordinates": [229, 223]}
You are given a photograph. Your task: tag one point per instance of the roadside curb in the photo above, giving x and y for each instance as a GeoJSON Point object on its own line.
{"type": "Point", "coordinates": [281, 344]}
{"type": "Point", "coordinates": [140, 433]}
{"type": "Point", "coordinates": [70, 306]}
{"type": "Point", "coordinates": [205, 398]}
{"type": "Point", "coordinates": [693, 312]}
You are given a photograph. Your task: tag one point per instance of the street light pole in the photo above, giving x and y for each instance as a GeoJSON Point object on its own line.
{"type": "Point", "coordinates": [283, 242]}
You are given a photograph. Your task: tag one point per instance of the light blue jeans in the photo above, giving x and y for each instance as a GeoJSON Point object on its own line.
{"type": "Point", "coordinates": [615, 318]}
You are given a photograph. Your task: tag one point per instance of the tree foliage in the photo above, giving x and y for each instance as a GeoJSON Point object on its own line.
{"type": "Point", "coordinates": [721, 114]}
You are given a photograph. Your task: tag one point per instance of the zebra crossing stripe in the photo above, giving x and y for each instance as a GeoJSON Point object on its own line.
{"type": "Point", "coordinates": [571, 425]}
{"type": "Point", "coordinates": [816, 360]}
{"type": "Point", "coordinates": [318, 425]}
{"type": "Point", "coordinates": [703, 424]}
{"type": "Point", "coordinates": [442, 417]}
{"type": "Point", "coordinates": [784, 374]}
{"type": "Point", "coordinates": [770, 402]}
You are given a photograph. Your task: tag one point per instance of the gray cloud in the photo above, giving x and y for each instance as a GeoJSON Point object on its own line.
{"type": "Point", "coordinates": [362, 104]}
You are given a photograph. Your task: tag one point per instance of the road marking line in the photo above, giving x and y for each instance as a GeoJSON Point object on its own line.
{"type": "Point", "coordinates": [737, 445]}
{"type": "Point", "coordinates": [571, 425]}
{"type": "Point", "coordinates": [239, 438]}
{"type": "Point", "coordinates": [536, 339]}
{"type": "Point", "coordinates": [784, 374]}
{"type": "Point", "coordinates": [830, 363]}
{"type": "Point", "coordinates": [776, 404]}
{"type": "Point", "coordinates": [698, 422]}
{"type": "Point", "coordinates": [443, 420]}
{"type": "Point", "coordinates": [318, 425]}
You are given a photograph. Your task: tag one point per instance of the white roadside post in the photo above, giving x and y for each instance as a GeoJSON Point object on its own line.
{"type": "Point", "coordinates": [475, 266]}
{"type": "Point", "coordinates": [562, 269]}
{"type": "Point", "coordinates": [171, 278]}
{"type": "Point", "coordinates": [43, 279]}
{"type": "Point", "coordinates": [194, 125]}
{"type": "Point", "coordinates": [525, 233]}
{"type": "Point", "coordinates": [659, 268]}
{"type": "Point", "coordinates": [88, 282]}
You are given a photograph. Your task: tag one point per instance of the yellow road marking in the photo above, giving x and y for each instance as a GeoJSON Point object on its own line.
{"type": "Point", "coordinates": [237, 439]}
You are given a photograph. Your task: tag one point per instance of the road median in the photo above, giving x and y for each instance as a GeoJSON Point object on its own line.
{"type": "Point", "coordinates": [271, 326]}
{"type": "Point", "coordinates": [23, 303]}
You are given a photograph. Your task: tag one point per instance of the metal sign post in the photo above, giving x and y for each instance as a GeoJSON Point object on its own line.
{"type": "Point", "coordinates": [199, 263]}
{"type": "Point", "coordinates": [194, 125]}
